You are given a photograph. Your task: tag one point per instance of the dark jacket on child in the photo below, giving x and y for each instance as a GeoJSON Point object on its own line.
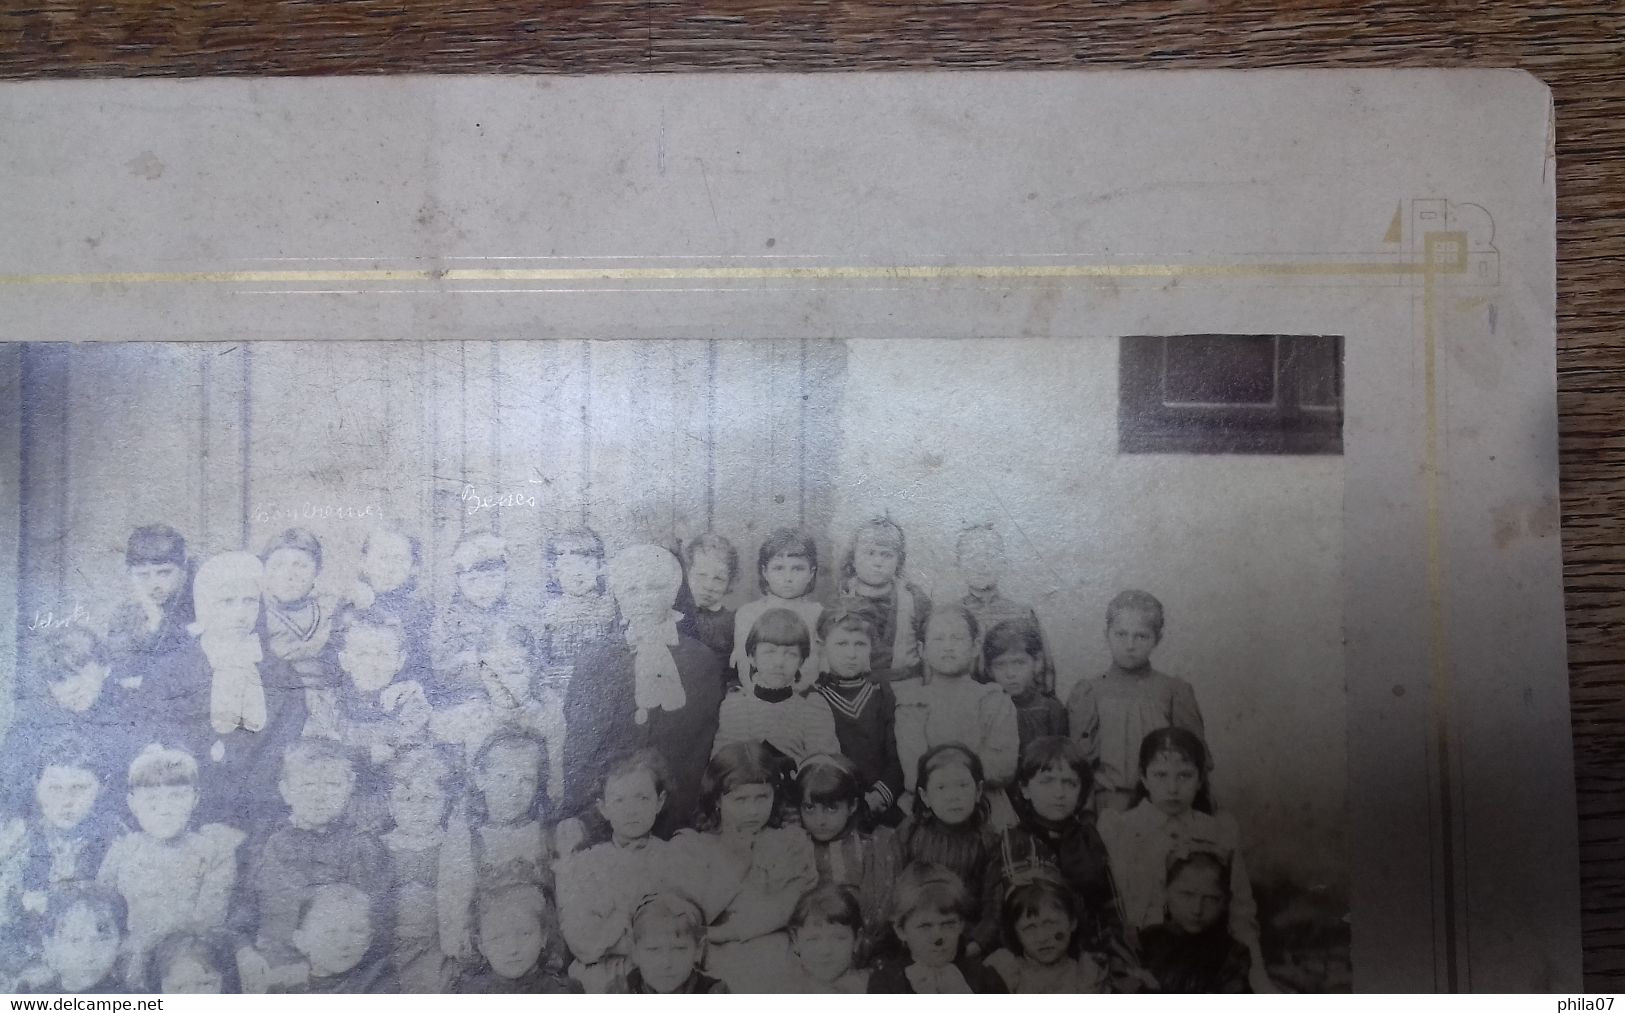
{"type": "Point", "coordinates": [1074, 847]}
{"type": "Point", "coordinates": [864, 711]}
{"type": "Point", "coordinates": [712, 627]}
{"type": "Point", "coordinates": [891, 978]}
{"type": "Point", "coordinates": [1038, 715]}
{"type": "Point", "coordinates": [697, 983]}
{"type": "Point", "coordinates": [1208, 961]}
{"type": "Point", "coordinates": [481, 980]}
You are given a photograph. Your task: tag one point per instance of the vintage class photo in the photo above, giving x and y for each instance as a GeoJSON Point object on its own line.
{"type": "Point", "coordinates": [996, 665]}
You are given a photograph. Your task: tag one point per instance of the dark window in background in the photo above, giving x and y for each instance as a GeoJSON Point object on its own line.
{"type": "Point", "coordinates": [1230, 394]}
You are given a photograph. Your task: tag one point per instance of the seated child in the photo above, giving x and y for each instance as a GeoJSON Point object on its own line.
{"type": "Point", "coordinates": [944, 704]}
{"type": "Point", "coordinates": [335, 938]}
{"type": "Point", "coordinates": [381, 713]}
{"type": "Point", "coordinates": [873, 569]}
{"type": "Point", "coordinates": [1013, 658]}
{"type": "Point", "coordinates": [152, 622]}
{"type": "Point", "coordinates": [418, 804]}
{"type": "Point", "coordinates": [1174, 813]}
{"type": "Point", "coordinates": [81, 945]}
{"type": "Point", "coordinates": [980, 554]}
{"type": "Point", "coordinates": [61, 845]}
{"type": "Point", "coordinates": [169, 876]}
{"type": "Point", "coordinates": [515, 937]}
{"type": "Point", "coordinates": [829, 795]}
{"type": "Point", "coordinates": [1192, 950]}
{"type": "Point", "coordinates": [600, 886]}
{"type": "Point", "coordinates": [192, 963]}
{"type": "Point", "coordinates": [478, 609]}
{"type": "Point", "coordinates": [65, 695]}
{"type": "Point", "coordinates": [949, 827]}
{"type": "Point", "coordinates": [388, 583]}
{"type": "Point", "coordinates": [668, 945]}
{"type": "Point", "coordinates": [317, 846]}
{"type": "Point", "coordinates": [576, 607]}
{"type": "Point", "coordinates": [73, 693]}
{"type": "Point", "coordinates": [826, 933]}
{"type": "Point", "coordinates": [786, 571]}
{"type": "Point", "coordinates": [746, 871]}
{"type": "Point", "coordinates": [298, 621]}
{"type": "Point", "coordinates": [1039, 916]}
{"type": "Point", "coordinates": [1057, 828]}
{"type": "Point", "coordinates": [929, 905]}
{"type": "Point", "coordinates": [1111, 715]}
{"type": "Point", "coordinates": [509, 699]}
{"type": "Point", "coordinates": [502, 841]}
{"type": "Point", "coordinates": [864, 708]}
{"type": "Point", "coordinates": [710, 567]}
{"type": "Point", "coordinates": [766, 707]}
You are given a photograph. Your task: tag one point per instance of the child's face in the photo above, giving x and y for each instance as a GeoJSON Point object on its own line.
{"type": "Point", "coordinates": [65, 795]}
{"type": "Point", "coordinates": [825, 821]}
{"type": "Point", "coordinates": [949, 647]}
{"type": "Point", "coordinates": [981, 560]}
{"type": "Point", "coordinates": [1195, 899]}
{"type": "Point", "coordinates": [235, 610]}
{"type": "Point", "coordinates": [82, 949]}
{"type": "Point", "coordinates": [1045, 933]}
{"type": "Point", "coordinates": [508, 781]}
{"type": "Point", "coordinates": [825, 949]}
{"type": "Point", "coordinates": [847, 652]}
{"type": "Point", "coordinates": [643, 596]}
{"type": "Point", "coordinates": [1014, 671]}
{"type": "Point", "coordinates": [951, 793]}
{"type": "Point", "coordinates": [788, 576]}
{"type": "Point", "coordinates": [1131, 639]}
{"type": "Point", "coordinates": [708, 579]}
{"type": "Point", "coordinates": [874, 562]}
{"type": "Point", "coordinates": [188, 975]}
{"type": "Point", "coordinates": [746, 809]}
{"type": "Point", "coordinates": [1054, 792]}
{"type": "Point", "coordinates": [505, 673]}
{"type": "Point", "coordinates": [510, 938]}
{"type": "Point", "coordinates": [387, 562]}
{"type": "Point", "coordinates": [157, 582]}
{"type": "Point", "coordinates": [316, 791]}
{"type": "Point", "coordinates": [631, 804]}
{"type": "Point", "coordinates": [163, 811]}
{"type": "Point", "coordinates": [578, 573]}
{"type": "Point", "coordinates": [289, 574]}
{"type": "Point", "coordinates": [416, 804]}
{"type": "Point", "coordinates": [1171, 783]}
{"type": "Point", "coordinates": [79, 689]}
{"type": "Point", "coordinates": [335, 935]}
{"type": "Point", "coordinates": [665, 953]}
{"type": "Point", "coordinates": [776, 665]}
{"type": "Point", "coordinates": [483, 588]}
{"type": "Point", "coordinates": [932, 937]}
{"type": "Point", "coordinates": [371, 657]}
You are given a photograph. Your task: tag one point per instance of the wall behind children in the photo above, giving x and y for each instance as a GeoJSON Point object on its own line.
{"type": "Point", "coordinates": [657, 441]}
{"type": "Point", "coordinates": [1244, 551]}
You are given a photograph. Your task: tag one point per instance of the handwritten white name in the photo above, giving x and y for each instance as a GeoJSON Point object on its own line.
{"type": "Point", "coordinates": [473, 502]}
{"type": "Point", "coordinates": [310, 511]}
{"type": "Point", "coordinates": [49, 620]}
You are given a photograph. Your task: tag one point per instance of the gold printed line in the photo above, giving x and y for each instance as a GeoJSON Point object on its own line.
{"type": "Point", "coordinates": [831, 273]}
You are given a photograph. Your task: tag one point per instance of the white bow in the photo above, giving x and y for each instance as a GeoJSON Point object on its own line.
{"type": "Point", "coordinates": [236, 694]}
{"type": "Point", "coordinates": [656, 684]}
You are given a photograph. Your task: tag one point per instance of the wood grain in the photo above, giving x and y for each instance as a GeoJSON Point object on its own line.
{"type": "Point", "coordinates": [1576, 47]}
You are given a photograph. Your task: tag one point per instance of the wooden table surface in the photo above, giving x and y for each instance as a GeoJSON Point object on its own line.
{"type": "Point", "coordinates": [1576, 47]}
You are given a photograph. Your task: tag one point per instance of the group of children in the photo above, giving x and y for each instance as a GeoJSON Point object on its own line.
{"type": "Point", "coordinates": [248, 784]}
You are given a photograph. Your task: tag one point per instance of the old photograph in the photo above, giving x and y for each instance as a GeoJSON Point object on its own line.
{"type": "Point", "coordinates": [865, 665]}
